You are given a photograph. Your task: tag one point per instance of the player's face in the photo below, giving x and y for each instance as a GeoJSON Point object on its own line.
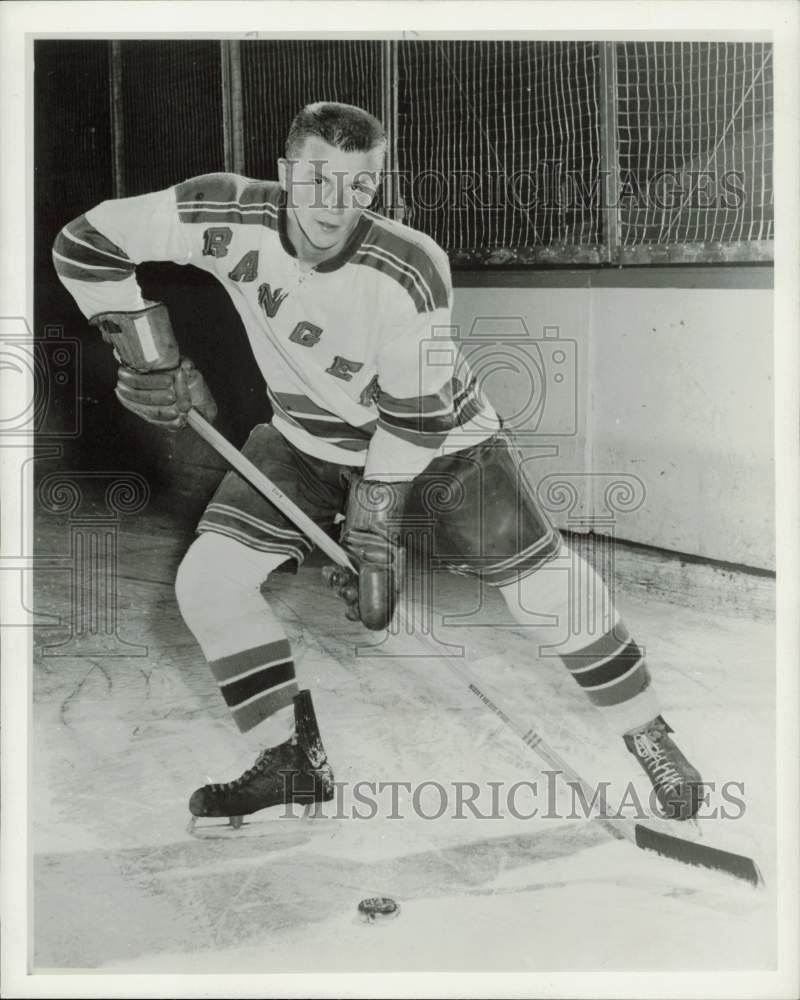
{"type": "Point", "coordinates": [326, 190]}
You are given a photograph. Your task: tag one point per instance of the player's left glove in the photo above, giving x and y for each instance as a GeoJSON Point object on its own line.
{"type": "Point", "coordinates": [371, 539]}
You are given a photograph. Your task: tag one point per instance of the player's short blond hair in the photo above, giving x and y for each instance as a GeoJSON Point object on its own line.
{"type": "Point", "coordinates": [345, 126]}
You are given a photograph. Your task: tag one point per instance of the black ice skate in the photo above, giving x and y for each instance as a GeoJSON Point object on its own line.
{"type": "Point", "coordinates": [295, 771]}
{"type": "Point", "coordinates": [678, 786]}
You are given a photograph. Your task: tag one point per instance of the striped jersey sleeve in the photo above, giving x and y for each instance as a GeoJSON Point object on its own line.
{"type": "Point", "coordinates": [228, 199]}
{"type": "Point", "coordinates": [95, 270]}
{"type": "Point", "coordinates": [418, 399]}
{"type": "Point", "coordinates": [95, 255]}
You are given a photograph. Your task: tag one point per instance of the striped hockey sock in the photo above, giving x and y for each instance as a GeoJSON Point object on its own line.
{"type": "Point", "coordinates": [248, 652]}
{"type": "Point", "coordinates": [587, 636]}
{"type": "Point", "coordinates": [612, 671]}
{"type": "Point", "coordinates": [258, 681]}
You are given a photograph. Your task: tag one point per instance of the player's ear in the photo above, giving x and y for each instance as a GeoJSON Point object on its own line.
{"type": "Point", "coordinates": [283, 171]}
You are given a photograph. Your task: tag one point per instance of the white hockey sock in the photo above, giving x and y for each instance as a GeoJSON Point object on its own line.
{"type": "Point", "coordinates": [571, 615]}
{"type": "Point", "coordinates": [218, 590]}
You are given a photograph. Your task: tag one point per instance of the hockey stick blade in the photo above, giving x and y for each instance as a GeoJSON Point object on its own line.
{"type": "Point", "coordinates": [700, 855]}
{"type": "Point", "coordinates": [667, 845]}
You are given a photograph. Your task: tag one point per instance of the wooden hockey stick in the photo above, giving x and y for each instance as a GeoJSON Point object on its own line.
{"type": "Point", "coordinates": [268, 489]}
{"type": "Point", "coordinates": [651, 838]}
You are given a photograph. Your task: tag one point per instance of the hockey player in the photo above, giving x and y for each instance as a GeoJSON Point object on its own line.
{"type": "Point", "coordinates": [339, 305]}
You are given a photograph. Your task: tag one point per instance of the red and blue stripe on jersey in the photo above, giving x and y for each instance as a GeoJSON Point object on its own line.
{"type": "Point", "coordinates": [394, 253]}
{"type": "Point", "coordinates": [427, 420]}
{"type": "Point", "coordinates": [303, 413]}
{"type": "Point", "coordinates": [220, 199]}
{"type": "Point", "coordinates": [83, 253]}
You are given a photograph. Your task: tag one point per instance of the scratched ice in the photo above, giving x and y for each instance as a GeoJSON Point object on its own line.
{"type": "Point", "coordinates": [121, 742]}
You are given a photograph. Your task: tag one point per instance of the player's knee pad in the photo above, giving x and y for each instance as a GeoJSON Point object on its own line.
{"type": "Point", "coordinates": [494, 525]}
{"type": "Point", "coordinates": [217, 568]}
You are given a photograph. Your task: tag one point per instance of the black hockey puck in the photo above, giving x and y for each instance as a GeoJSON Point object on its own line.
{"type": "Point", "coordinates": [377, 909]}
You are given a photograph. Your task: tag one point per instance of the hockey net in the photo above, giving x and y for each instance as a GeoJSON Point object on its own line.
{"type": "Point", "coordinates": [695, 140]}
{"type": "Point", "coordinates": [500, 155]}
{"type": "Point", "coordinates": [498, 147]}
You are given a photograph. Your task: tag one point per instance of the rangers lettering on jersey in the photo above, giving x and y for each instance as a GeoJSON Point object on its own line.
{"type": "Point", "coordinates": [215, 241]}
{"type": "Point", "coordinates": [306, 333]}
{"type": "Point", "coordinates": [356, 367]}
{"type": "Point", "coordinates": [270, 301]}
{"type": "Point", "coordinates": [247, 268]}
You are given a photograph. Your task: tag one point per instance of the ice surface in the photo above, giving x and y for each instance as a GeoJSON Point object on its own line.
{"type": "Point", "coordinates": [120, 743]}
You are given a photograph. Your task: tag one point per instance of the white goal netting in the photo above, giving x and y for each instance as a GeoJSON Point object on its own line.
{"type": "Point", "coordinates": [694, 123]}
{"type": "Point", "coordinates": [500, 159]}
{"type": "Point", "coordinates": [498, 144]}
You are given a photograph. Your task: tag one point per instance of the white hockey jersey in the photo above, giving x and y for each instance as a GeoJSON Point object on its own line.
{"type": "Point", "coordinates": [356, 353]}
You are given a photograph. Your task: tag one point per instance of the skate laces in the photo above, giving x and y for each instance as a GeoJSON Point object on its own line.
{"type": "Point", "coordinates": [257, 768]}
{"type": "Point", "coordinates": [652, 752]}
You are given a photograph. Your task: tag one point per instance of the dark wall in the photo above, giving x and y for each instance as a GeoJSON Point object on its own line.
{"type": "Point", "coordinates": [172, 125]}
{"type": "Point", "coordinates": [172, 112]}
{"type": "Point", "coordinates": [72, 132]}
{"type": "Point", "coordinates": [72, 171]}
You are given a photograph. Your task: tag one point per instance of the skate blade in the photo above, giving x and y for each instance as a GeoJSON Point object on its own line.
{"type": "Point", "coordinates": [256, 825]}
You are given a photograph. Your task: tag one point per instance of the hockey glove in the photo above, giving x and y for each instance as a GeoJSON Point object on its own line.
{"type": "Point", "coordinates": [153, 381]}
{"type": "Point", "coordinates": [371, 539]}
{"type": "Point", "coordinates": [165, 397]}
{"type": "Point", "coordinates": [143, 339]}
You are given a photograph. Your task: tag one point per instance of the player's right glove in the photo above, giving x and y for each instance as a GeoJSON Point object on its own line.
{"type": "Point", "coordinates": [371, 539]}
{"type": "Point", "coordinates": [165, 397]}
{"type": "Point", "coordinates": [153, 381]}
